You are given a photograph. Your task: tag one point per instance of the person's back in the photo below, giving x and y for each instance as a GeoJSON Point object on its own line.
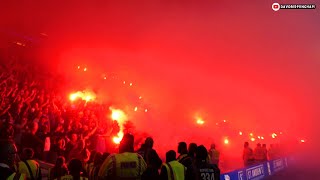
{"type": "Point", "coordinates": [192, 150]}
{"type": "Point", "coordinates": [75, 168]}
{"type": "Point", "coordinates": [59, 170]}
{"type": "Point", "coordinates": [272, 152]}
{"type": "Point", "coordinates": [125, 165]}
{"type": "Point", "coordinates": [202, 168]}
{"type": "Point", "coordinates": [153, 161]}
{"type": "Point", "coordinates": [28, 166]}
{"type": "Point", "coordinates": [247, 156]}
{"type": "Point", "coordinates": [214, 155]}
{"type": "Point", "coordinates": [258, 154]}
{"type": "Point", "coordinates": [172, 169]}
{"type": "Point", "coordinates": [98, 160]}
{"type": "Point", "coordinates": [184, 158]}
{"type": "Point", "coordinates": [70, 177]}
{"type": "Point", "coordinates": [8, 158]}
{"type": "Point", "coordinates": [264, 152]}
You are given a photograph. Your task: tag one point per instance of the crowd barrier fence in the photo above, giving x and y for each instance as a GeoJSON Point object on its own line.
{"type": "Point", "coordinates": [258, 171]}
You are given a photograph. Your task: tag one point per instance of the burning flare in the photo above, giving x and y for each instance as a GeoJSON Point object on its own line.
{"type": "Point", "coordinates": [84, 95]}
{"type": "Point", "coordinates": [119, 116]}
{"type": "Point", "coordinates": [200, 121]}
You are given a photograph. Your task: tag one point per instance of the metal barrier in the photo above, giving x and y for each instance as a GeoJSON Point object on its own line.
{"type": "Point", "coordinates": [258, 171]}
{"type": "Point", "coordinates": [45, 169]}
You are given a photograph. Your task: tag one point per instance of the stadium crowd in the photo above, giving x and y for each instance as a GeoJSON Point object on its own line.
{"type": "Point", "coordinates": [37, 123]}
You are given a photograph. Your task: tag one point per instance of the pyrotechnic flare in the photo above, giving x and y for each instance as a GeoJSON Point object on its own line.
{"type": "Point", "coordinates": [84, 95]}
{"type": "Point", "coordinates": [119, 116]}
{"type": "Point", "coordinates": [226, 141]}
{"type": "Point", "coordinates": [200, 121]}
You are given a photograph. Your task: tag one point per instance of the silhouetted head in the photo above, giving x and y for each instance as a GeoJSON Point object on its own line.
{"type": "Point", "coordinates": [92, 155]}
{"type": "Point", "coordinates": [264, 145]}
{"type": "Point", "coordinates": [192, 149]}
{"type": "Point", "coordinates": [259, 145]}
{"type": "Point", "coordinates": [8, 152]}
{"type": "Point", "coordinates": [97, 160]}
{"type": "Point", "coordinates": [271, 145]}
{"type": "Point", "coordinates": [182, 148]}
{"type": "Point", "coordinates": [127, 144]}
{"type": "Point", "coordinates": [213, 146]}
{"type": "Point", "coordinates": [148, 142]}
{"type": "Point", "coordinates": [75, 167]}
{"type": "Point", "coordinates": [201, 153]}
{"type": "Point", "coordinates": [246, 144]}
{"type": "Point", "coordinates": [60, 161]}
{"type": "Point", "coordinates": [105, 155]}
{"type": "Point", "coordinates": [27, 153]}
{"type": "Point", "coordinates": [170, 156]}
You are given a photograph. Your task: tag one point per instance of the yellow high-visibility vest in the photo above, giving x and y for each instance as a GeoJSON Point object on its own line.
{"type": "Point", "coordinates": [125, 165]}
{"type": "Point", "coordinates": [69, 177]}
{"type": "Point", "coordinates": [34, 166]}
{"type": "Point", "coordinates": [175, 170]}
{"type": "Point", "coordinates": [21, 176]}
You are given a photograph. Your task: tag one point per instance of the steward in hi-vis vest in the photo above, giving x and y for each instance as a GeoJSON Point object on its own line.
{"type": "Point", "coordinates": [125, 165]}
{"type": "Point", "coordinates": [172, 169]}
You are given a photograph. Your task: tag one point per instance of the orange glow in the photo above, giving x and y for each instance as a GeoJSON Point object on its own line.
{"type": "Point", "coordinates": [240, 133]}
{"type": "Point", "coordinates": [140, 97]}
{"type": "Point", "coordinates": [302, 141]}
{"type": "Point", "coordinates": [78, 67]}
{"type": "Point", "coordinates": [117, 139]}
{"type": "Point", "coordinates": [85, 69]}
{"type": "Point", "coordinates": [119, 116]}
{"type": "Point", "coordinates": [224, 120]}
{"type": "Point", "coordinates": [105, 77]}
{"type": "Point", "coordinates": [274, 135]}
{"type": "Point", "coordinates": [130, 84]}
{"type": "Point", "coordinates": [84, 95]}
{"type": "Point", "coordinates": [252, 139]}
{"type": "Point", "coordinates": [136, 109]}
{"type": "Point", "coordinates": [146, 110]}
{"type": "Point", "coordinates": [251, 134]}
{"type": "Point", "coordinates": [262, 137]}
{"type": "Point", "coordinates": [200, 121]}
{"type": "Point", "coordinates": [259, 137]}
{"type": "Point", "coordinates": [226, 141]}
{"type": "Point", "coordinates": [124, 82]}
